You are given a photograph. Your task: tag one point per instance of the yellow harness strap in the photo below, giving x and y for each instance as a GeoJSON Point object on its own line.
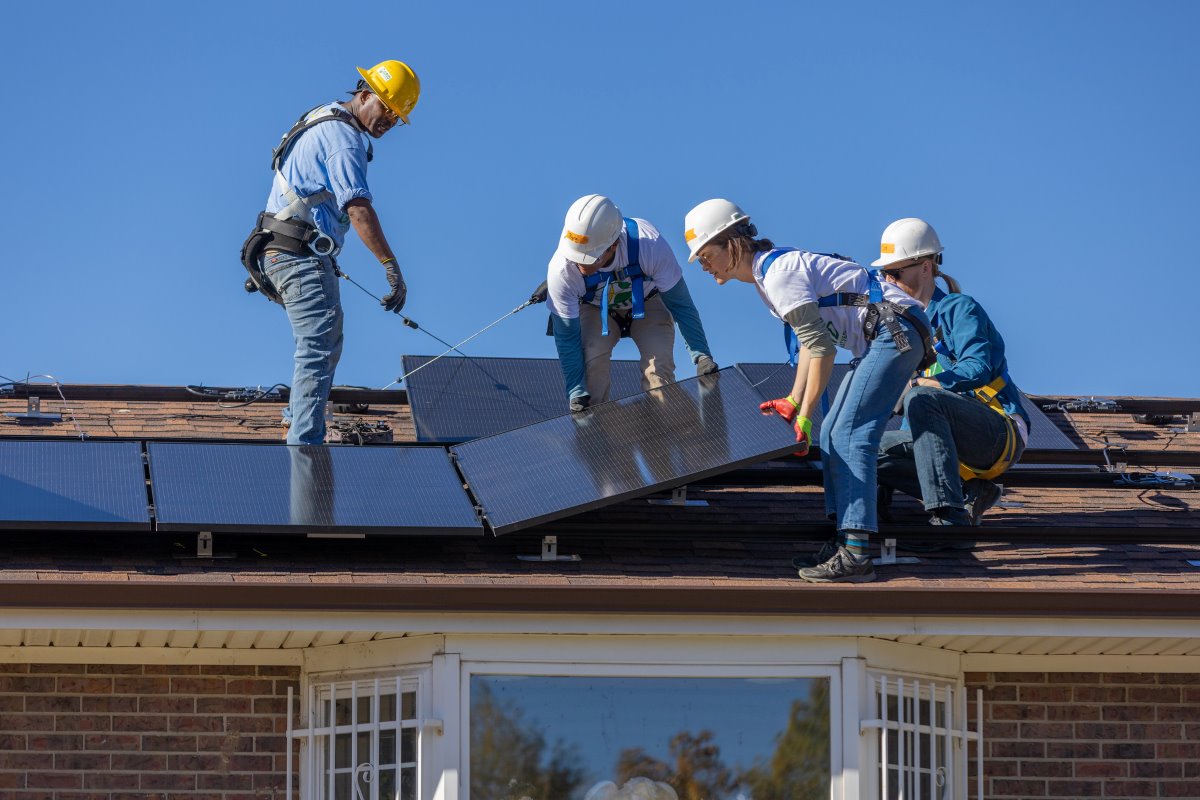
{"type": "Point", "coordinates": [987, 396]}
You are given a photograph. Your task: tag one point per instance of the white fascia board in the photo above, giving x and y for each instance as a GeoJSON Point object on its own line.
{"type": "Point", "coordinates": [995, 662]}
{"type": "Point", "coordinates": [148, 655]}
{"type": "Point", "coordinates": [380, 654]}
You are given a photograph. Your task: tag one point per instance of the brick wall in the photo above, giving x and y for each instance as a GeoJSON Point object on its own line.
{"type": "Point", "coordinates": [1089, 735]}
{"type": "Point", "coordinates": [119, 732]}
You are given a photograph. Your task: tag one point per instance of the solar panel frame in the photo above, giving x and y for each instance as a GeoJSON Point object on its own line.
{"type": "Point", "coordinates": [503, 482]}
{"type": "Point", "coordinates": [326, 489]}
{"type": "Point", "coordinates": [98, 486]}
{"type": "Point", "coordinates": [458, 399]}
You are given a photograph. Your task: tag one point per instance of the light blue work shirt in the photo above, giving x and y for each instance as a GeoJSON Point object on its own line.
{"type": "Point", "coordinates": [330, 155]}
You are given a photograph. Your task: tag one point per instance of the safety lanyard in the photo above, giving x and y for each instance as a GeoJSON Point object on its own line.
{"type": "Point", "coordinates": [633, 271]}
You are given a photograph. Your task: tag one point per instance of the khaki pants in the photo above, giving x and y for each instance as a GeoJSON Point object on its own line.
{"type": "Point", "coordinates": [655, 340]}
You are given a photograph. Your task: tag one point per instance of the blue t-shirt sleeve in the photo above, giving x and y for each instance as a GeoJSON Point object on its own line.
{"type": "Point", "coordinates": [347, 170]}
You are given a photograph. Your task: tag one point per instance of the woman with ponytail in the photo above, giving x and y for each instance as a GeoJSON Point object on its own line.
{"type": "Point", "coordinates": [827, 302]}
{"type": "Point", "coordinates": [963, 416]}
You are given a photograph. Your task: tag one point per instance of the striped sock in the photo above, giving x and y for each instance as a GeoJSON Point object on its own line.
{"type": "Point", "coordinates": [857, 541]}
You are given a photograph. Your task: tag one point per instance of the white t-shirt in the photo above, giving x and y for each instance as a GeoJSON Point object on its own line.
{"type": "Point", "coordinates": [801, 277]}
{"type": "Point", "coordinates": [565, 287]}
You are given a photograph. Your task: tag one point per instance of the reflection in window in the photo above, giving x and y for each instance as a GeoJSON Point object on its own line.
{"type": "Point", "coordinates": [608, 738]}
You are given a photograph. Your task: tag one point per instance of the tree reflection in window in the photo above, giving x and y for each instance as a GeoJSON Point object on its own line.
{"type": "Point", "coordinates": [557, 738]}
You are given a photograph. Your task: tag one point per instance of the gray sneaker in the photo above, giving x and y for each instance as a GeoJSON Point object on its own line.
{"type": "Point", "coordinates": [979, 496]}
{"type": "Point", "coordinates": [844, 567]}
{"type": "Point", "coordinates": [824, 554]}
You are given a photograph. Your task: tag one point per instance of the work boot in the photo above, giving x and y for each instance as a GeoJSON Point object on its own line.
{"type": "Point", "coordinates": [979, 495]}
{"type": "Point", "coordinates": [945, 517]}
{"type": "Point", "coordinates": [844, 567]}
{"type": "Point", "coordinates": [824, 554]}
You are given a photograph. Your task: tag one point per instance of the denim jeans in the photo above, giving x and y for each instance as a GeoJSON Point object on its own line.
{"type": "Point", "coordinates": [946, 428]}
{"type": "Point", "coordinates": [312, 299]}
{"type": "Point", "coordinates": [854, 425]}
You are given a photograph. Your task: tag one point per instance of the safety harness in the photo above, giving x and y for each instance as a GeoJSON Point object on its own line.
{"type": "Point", "coordinates": [599, 282]}
{"type": "Point", "coordinates": [880, 313]}
{"type": "Point", "coordinates": [293, 229]}
{"type": "Point", "coordinates": [989, 396]}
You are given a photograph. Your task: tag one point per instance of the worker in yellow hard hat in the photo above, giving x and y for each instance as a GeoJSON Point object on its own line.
{"type": "Point", "coordinates": [319, 192]}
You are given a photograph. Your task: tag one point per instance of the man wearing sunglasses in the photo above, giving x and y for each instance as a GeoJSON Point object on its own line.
{"type": "Point", "coordinates": [319, 192]}
{"type": "Point", "coordinates": [964, 424]}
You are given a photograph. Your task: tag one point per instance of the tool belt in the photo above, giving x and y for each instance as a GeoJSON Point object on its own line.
{"type": "Point", "coordinates": [293, 236]}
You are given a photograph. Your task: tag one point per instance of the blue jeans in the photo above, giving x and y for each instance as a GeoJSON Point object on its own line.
{"type": "Point", "coordinates": [946, 428]}
{"type": "Point", "coordinates": [852, 429]}
{"type": "Point", "coordinates": [311, 296]}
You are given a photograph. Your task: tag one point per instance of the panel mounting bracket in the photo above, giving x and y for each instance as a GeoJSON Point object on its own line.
{"type": "Point", "coordinates": [33, 413]}
{"type": "Point", "coordinates": [887, 555]}
{"type": "Point", "coordinates": [205, 550]}
{"type": "Point", "coordinates": [678, 498]}
{"type": "Point", "coordinates": [549, 552]}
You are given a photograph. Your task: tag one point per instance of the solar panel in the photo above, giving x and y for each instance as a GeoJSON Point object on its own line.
{"type": "Point", "coordinates": [73, 485]}
{"type": "Point", "coordinates": [621, 449]}
{"type": "Point", "coordinates": [317, 489]}
{"type": "Point", "coordinates": [775, 380]}
{"type": "Point", "coordinates": [458, 399]}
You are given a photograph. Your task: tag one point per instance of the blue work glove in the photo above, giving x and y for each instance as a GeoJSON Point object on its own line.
{"type": "Point", "coordinates": [394, 300]}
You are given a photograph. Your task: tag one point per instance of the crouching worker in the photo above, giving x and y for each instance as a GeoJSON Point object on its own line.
{"type": "Point", "coordinates": [827, 302]}
{"type": "Point", "coordinates": [613, 277]}
{"type": "Point", "coordinates": [964, 424]}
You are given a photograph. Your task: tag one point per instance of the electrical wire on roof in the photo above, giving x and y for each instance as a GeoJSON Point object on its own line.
{"type": "Point", "coordinates": [249, 396]}
{"type": "Point", "coordinates": [58, 387]}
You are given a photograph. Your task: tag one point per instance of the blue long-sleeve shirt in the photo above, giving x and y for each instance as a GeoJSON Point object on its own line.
{"type": "Point", "coordinates": [972, 351]}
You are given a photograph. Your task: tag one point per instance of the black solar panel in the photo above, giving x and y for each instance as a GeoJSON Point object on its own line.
{"type": "Point", "coordinates": [458, 399]}
{"type": "Point", "coordinates": [622, 449]}
{"type": "Point", "coordinates": [73, 485]}
{"type": "Point", "coordinates": [318, 489]}
{"type": "Point", "coordinates": [775, 380]}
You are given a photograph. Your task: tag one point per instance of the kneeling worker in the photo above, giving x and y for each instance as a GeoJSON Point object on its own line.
{"type": "Point", "coordinates": [963, 416]}
{"type": "Point", "coordinates": [613, 277]}
{"type": "Point", "coordinates": [319, 192]}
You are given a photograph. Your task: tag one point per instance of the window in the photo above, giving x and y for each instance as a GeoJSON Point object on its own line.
{"type": "Point", "coordinates": [362, 740]}
{"type": "Point", "coordinates": [922, 738]}
{"type": "Point", "coordinates": [584, 738]}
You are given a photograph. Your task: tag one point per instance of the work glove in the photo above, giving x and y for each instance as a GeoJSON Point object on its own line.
{"type": "Point", "coordinates": [803, 428]}
{"type": "Point", "coordinates": [705, 365]}
{"type": "Point", "coordinates": [580, 403]}
{"type": "Point", "coordinates": [394, 300]}
{"type": "Point", "coordinates": [539, 294]}
{"type": "Point", "coordinates": [785, 407]}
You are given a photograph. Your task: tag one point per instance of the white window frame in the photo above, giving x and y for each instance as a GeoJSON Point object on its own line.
{"type": "Point", "coordinates": [318, 740]}
{"type": "Point", "coordinates": [925, 693]}
{"type": "Point", "coordinates": [542, 669]}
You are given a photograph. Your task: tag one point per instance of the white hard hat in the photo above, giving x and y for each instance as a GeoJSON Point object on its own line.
{"type": "Point", "coordinates": [907, 238]}
{"type": "Point", "coordinates": [593, 223]}
{"type": "Point", "coordinates": [708, 219]}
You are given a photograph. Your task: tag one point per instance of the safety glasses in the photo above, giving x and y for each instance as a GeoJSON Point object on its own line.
{"type": "Point", "coordinates": [896, 272]}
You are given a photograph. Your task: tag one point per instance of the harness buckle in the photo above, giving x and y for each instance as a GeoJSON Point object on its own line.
{"type": "Point", "coordinates": [322, 244]}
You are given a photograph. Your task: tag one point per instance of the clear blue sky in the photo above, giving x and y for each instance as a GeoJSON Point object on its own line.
{"type": "Point", "coordinates": [1052, 145]}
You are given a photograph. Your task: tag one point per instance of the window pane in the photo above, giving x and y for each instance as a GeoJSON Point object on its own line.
{"type": "Point", "coordinates": [408, 783]}
{"type": "Point", "coordinates": [364, 708]}
{"type": "Point", "coordinates": [409, 705]}
{"type": "Point", "coordinates": [387, 747]}
{"type": "Point", "coordinates": [341, 751]}
{"type": "Point", "coordinates": [387, 708]}
{"type": "Point", "coordinates": [550, 738]}
{"type": "Point", "coordinates": [387, 784]}
{"type": "Point", "coordinates": [408, 746]}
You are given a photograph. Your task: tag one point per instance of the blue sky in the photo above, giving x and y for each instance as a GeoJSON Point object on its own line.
{"type": "Point", "coordinates": [1052, 145]}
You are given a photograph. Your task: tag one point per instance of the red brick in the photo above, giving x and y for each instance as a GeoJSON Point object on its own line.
{"type": "Point", "coordinates": [1155, 769]}
{"type": "Point", "coordinates": [1044, 694]}
{"type": "Point", "coordinates": [229, 669]}
{"type": "Point", "coordinates": [26, 761]}
{"type": "Point", "coordinates": [141, 685]}
{"type": "Point", "coordinates": [1006, 693]}
{"type": "Point", "coordinates": [1077, 678]}
{"type": "Point", "coordinates": [1016, 711]}
{"type": "Point", "coordinates": [249, 686]}
{"type": "Point", "coordinates": [53, 703]}
{"type": "Point", "coordinates": [1180, 713]}
{"type": "Point", "coordinates": [166, 780]}
{"type": "Point", "coordinates": [1130, 677]}
{"type": "Point", "coordinates": [73, 684]}
{"type": "Point", "coordinates": [83, 722]}
{"type": "Point", "coordinates": [1019, 677]}
{"type": "Point", "coordinates": [11, 702]}
{"type": "Point", "coordinates": [1139, 750]}
{"type": "Point", "coordinates": [1179, 789]}
{"type": "Point", "coordinates": [112, 741]}
{"type": "Point", "coordinates": [1134, 713]}
{"type": "Point", "coordinates": [12, 780]}
{"type": "Point", "coordinates": [110, 780]}
{"type": "Point", "coordinates": [196, 724]}
{"type": "Point", "coordinates": [13, 742]}
{"type": "Point", "coordinates": [1188, 750]}
{"type": "Point", "coordinates": [1072, 750]}
{"type": "Point", "coordinates": [60, 669]}
{"type": "Point", "coordinates": [1099, 694]}
{"type": "Point", "coordinates": [197, 685]}
{"type": "Point", "coordinates": [81, 761]}
{"type": "Point", "coordinates": [1047, 769]}
{"type": "Point", "coordinates": [1162, 694]}
{"type": "Point", "coordinates": [23, 684]}
{"type": "Point", "coordinates": [226, 743]}
{"type": "Point", "coordinates": [250, 724]}
{"type": "Point", "coordinates": [197, 762]}
{"type": "Point", "coordinates": [1074, 712]}
{"type": "Point", "coordinates": [1074, 788]}
{"type": "Point", "coordinates": [14, 669]}
{"type": "Point", "coordinates": [1047, 730]}
{"type": "Point", "coordinates": [54, 780]}
{"type": "Point", "coordinates": [1101, 769]}
{"type": "Point", "coordinates": [26, 722]}
{"type": "Point", "coordinates": [1017, 749]}
{"type": "Point", "coordinates": [225, 705]}
{"type": "Point", "coordinates": [139, 761]}
{"type": "Point", "coordinates": [1000, 768]}
{"type": "Point", "coordinates": [250, 763]}
{"type": "Point", "coordinates": [114, 669]}
{"type": "Point", "coordinates": [172, 669]}
{"type": "Point", "coordinates": [241, 781]}
{"type": "Point", "coordinates": [139, 723]}
{"type": "Point", "coordinates": [172, 744]}
{"type": "Point", "coordinates": [166, 705]}
{"type": "Point", "coordinates": [110, 704]}
{"type": "Point", "coordinates": [1101, 730]}
{"type": "Point", "coordinates": [1158, 730]}
{"type": "Point", "coordinates": [1191, 696]}
{"type": "Point", "coordinates": [1130, 789]}
{"type": "Point", "coordinates": [1002, 787]}
{"type": "Point", "coordinates": [54, 742]}
{"type": "Point", "coordinates": [270, 705]}
{"type": "Point", "coordinates": [279, 671]}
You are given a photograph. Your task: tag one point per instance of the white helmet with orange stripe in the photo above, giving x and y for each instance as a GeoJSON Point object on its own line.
{"type": "Point", "coordinates": [593, 223]}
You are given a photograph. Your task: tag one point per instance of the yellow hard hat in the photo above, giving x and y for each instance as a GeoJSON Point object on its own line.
{"type": "Point", "coordinates": [395, 84]}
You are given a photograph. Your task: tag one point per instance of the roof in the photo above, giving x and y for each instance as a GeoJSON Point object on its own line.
{"type": "Point", "coordinates": [1066, 541]}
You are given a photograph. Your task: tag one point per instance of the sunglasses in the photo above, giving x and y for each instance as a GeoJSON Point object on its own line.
{"type": "Point", "coordinates": [897, 271]}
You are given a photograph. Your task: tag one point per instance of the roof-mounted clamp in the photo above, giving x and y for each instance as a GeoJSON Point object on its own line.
{"type": "Point", "coordinates": [204, 545]}
{"type": "Point", "coordinates": [887, 554]}
{"type": "Point", "coordinates": [33, 413]}
{"type": "Point", "coordinates": [678, 498]}
{"type": "Point", "coordinates": [549, 552]}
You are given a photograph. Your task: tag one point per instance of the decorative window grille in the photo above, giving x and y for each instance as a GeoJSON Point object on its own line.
{"type": "Point", "coordinates": [361, 741]}
{"type": "Point", "coordinates": [923, 739]}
